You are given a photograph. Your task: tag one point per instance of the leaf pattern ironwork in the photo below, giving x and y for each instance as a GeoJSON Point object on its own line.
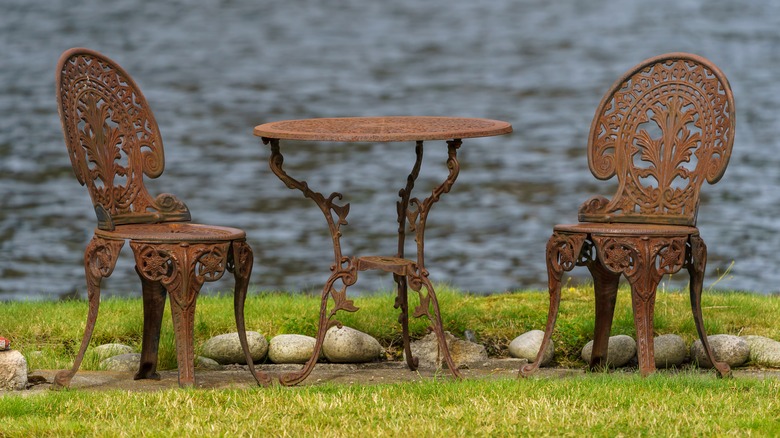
{"type": "Point", "coordinates": [663, 129]}
{"type": "Point", "coordinates": [113, 140]}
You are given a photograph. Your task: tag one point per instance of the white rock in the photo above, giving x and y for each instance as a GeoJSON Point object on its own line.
{"type": "Point", "coordinates": [226, 349]}
{"type": "Point", "coordinates": [124, 362]}
{"type": "Point", "coordinates": [763, 351]}
{"type": "Point", "coordinates": [527, 345]}
{"type": "Point", "coordinates": [731, 349]}
{"type": "Point", "coordinates": [620, 350]}
{"type": "Point", "coordinates": [670, 351]}
{"type": "Point", "coordinates": [428, 354]}
{"type": "Point", "coordinates": [107, 350]}
{"type": "Point", "coordinates": [291, 348]}
{"type": "Point", "coordinates": [347, 345]}
{"type": "Point", "coordinates": [13, 371]}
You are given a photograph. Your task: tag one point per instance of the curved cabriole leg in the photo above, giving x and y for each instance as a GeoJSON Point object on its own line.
{"type": "Point", "coordinates": [402, 302]}
{"type": "Point", "coordinates": [154, 296]}
{"type": "Point", "coordinates": [605, 287]}
{"type": "Point", "coordinates": [696, 266]}
{"type": "Point", "coordinates": [296, 377]}
{"type": "Point", "coordinates": [348, 276]}
{"type": "Point", "coordinates": [100, 259]}
{"type": "Point", "coordinates": [429, 302]}
{"type": "Point", "coordinates": [554, 286]}
{"type": "Point", "coordinates": [240, 261]}
{"type": "Point", "coordinates": [562, 254]}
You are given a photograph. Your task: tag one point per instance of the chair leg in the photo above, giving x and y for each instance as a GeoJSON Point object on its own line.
{"type": "Point", "coordinates": [193, 264]}
{"type": "Point", "coordinates": [643, 302]}
{"type": "Point", "coordinates": [696, 267]}
{"type": "Point", "coordinates": [99, 261]}
{"type": "Point", "coordinates": [154, 296]}
{"type": "Point", "coordinates": [184, 293]}
{"type": "Point", "coordinates": [605, 287]}
{"type": "Point", "coordinates": [243, 258]}
{"type": "Point", "coordinates": [402, 302]}
{"type": "Point", "coordinates": [563, 251]}
{"type": "Point", "coordinates": [554, 285]}
{"type": "Point", "coordinates": [182, 269]}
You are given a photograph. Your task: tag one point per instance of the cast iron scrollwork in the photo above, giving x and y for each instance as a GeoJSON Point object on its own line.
{"type": "Point", "coordinates": [113, 141]}
{"type": "Point", "coordinates": [174, 264]}
{"type": "Point", "coordinates": [417, 212]}
{"type": "Point", "coordinates": [663, 129]}
{"type": "Point", "coordinates": [100, 258]}
{"type": "Point", "coordinates": [327, 205]}
{"type": "Point", "coordinates": [182, 268]}
{"type": "Point", "coordinates": [643, 260]}
{"type": "Point", "coordinates": [563, 253]}
{"type": "Point", "coordinates": [346, 273]}
{"type": "Point", "coordinates": [667, 127]}
{"type": "Point", "coordinates": [240, 259]}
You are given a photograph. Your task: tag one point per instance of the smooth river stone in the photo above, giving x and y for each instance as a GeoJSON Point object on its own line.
{"type": "Point", "coordinates": [347, 345]}
{"type": "Point", "coordinates": [620, 350]}
{"type": "Point", "coordinates": [527, 345]}
{"type": "Point", "coordinates": [226, 349]}
{"type": "Point", "coordinates": [291, 348]}
{"type": "Point", "coordinates": [731, 349]}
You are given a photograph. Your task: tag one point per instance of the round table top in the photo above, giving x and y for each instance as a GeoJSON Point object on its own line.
{"type": "Point", "coordinates": [380, 129]}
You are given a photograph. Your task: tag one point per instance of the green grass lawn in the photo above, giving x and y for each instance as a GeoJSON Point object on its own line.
{"type": "Point", "coordinates": [598, 404]}
{"type": "Point", "coordinates": [613, 404]}
{"type": "Point", "coordinates": [55, 328]}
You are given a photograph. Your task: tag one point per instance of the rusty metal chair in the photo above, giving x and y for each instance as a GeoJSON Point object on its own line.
{"type": "Point", "coordinates": [663, 129]}
{"type": "Point", "coordinates": [113, 141]}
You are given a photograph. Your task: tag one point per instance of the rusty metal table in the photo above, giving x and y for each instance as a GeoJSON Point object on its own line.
{"type": "Point", "coordinates": [414, 211]}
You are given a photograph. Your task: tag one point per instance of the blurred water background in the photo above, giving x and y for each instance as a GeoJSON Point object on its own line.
{"type": "Point", "coordinates": [213, 69]}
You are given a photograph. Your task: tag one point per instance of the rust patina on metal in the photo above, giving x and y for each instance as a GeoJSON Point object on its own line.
{"type": "Point", "coordinates": [113, 141]}
{"type": "Point", "coordinates": [663, 129]}
{"type": "Point", "coordinates": [414, 211]}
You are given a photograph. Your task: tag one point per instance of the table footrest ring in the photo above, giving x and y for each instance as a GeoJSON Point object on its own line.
{"type": "Point", "coordinates": [396, 265]}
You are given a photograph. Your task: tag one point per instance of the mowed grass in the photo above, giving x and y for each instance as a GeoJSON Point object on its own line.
{"type": "Point", "coordinates": [686, 404]}
{"type": "Point", "coordinates": [689, 403]}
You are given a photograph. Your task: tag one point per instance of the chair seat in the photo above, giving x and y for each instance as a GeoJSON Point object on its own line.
{"type": "Point", "coordinates": [172, 232]}
{"type": "Point", "coordinates": [626, 229]}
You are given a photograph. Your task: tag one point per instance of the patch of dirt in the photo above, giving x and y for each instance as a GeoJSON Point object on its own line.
{"type": "Point", "coordinates": [238, 376]}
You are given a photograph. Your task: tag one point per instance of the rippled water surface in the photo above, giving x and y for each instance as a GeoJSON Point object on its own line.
{"type": "Point", "coordinates": [212, 70]}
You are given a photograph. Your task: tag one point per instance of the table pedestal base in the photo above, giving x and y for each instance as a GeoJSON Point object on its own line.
{"type": "Point", "coordinates": [406, 273]}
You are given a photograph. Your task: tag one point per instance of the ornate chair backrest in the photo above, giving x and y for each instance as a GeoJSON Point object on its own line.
{"type": "Point", "coordinates": [663, 128]}
{"type": "Point", "coordinates": [112, 140]}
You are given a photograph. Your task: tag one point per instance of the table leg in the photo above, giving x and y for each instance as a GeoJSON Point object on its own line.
{"type": "Point", "coordinates": [402, 300]}
{"type": "Point", "coordinates": [344, 269]}
{"type": "Point", "coordinates": [416, 212]}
